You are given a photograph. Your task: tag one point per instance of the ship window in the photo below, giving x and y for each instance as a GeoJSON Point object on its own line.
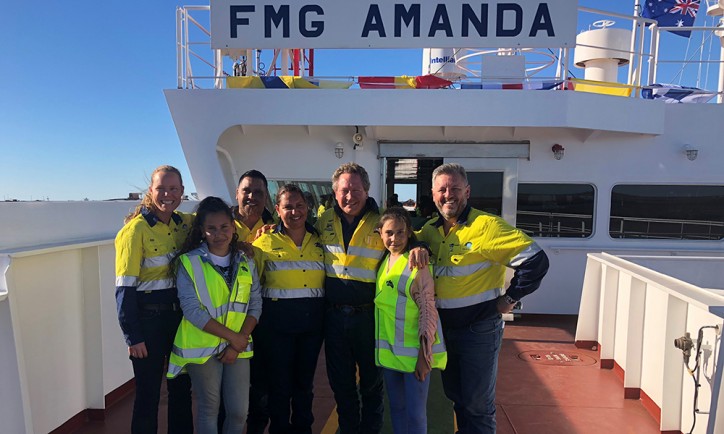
{"type": "Point", "coordinates": [556, 210]}
{"type": "Point", "coordinates": [669, 212]}
{"type": "Point", "coordinates": [321, 192]}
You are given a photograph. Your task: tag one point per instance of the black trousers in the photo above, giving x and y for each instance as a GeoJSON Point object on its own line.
{"type": "Point", "coordinates": [258, 417]}
{"type": "Point", "coordinates": [350, 344]}
{"type": "Point", "coordinates": [292, 363]}
{"type": "Point", "coordinates": [159, 329]}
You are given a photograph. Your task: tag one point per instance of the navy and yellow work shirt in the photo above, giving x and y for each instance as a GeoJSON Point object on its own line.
{"type": "Point", "coordinates": [469, 265]}
{"type": "Point", "coordinates": [292, 280]}
{"type": "Point", "coordinates": [336, 235]}
{"type": "Point", "coordinates": [288, 271]}
{"type": "Point", "coordinates": [248, 234]}
{"type": "Point", "coordinates": [144, 249]}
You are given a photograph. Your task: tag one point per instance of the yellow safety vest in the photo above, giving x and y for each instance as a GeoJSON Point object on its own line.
{"type": "Point", "coordinates": [397, 321]}
{"type": "Point", "coordinates": [365, 250]}
{"type": "Point", "coordinates": [286, 270]}
{"type": "Point", "coordinates": [469, 262]}
{"type": "Point", "coordinates": [226, 305]}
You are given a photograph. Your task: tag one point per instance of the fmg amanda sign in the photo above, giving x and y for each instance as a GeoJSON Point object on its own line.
{"type": "Point", "coordinates": [392, 24]}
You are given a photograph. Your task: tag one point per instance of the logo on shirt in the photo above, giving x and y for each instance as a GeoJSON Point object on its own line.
{"type": "Point", "coordinates": [390, 284]}
{"type": "Point", "coordinates": [243, 267]}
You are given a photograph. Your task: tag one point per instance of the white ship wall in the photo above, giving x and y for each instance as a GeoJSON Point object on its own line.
{"type": "Point", "coordinates": [633, 308]}
{"type": "Point", "coordinates": [291, 134]}
{"type": "Point", "coordinates": [62, 350]}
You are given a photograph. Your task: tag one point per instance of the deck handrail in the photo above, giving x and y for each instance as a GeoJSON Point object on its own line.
{"type": "Point", "coordinates": [678, 288]}
{"type": "Point", "coordinates": [4, 265]}
{"type": "Point", "coordinates": [7, 255]}
{"type": "Point", "coordinates": [644, 53]}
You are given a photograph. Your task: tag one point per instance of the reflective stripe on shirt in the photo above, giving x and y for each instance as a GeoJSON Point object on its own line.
{"type": "Point", "coordinates": [459, 270]}
{"type": "Point", "coordinates": [334, 248]}
{"type": "Point", "coordinates": [155, 285]}
{"type": "Point", "coordinates": [365, 252]}
{"type": "Point", "coordinates": [157, 261]}
{"type": "Point", "coordinates": [293, 265]}
{"type": "Point", "coordinates": [292, 292]}
{"type": "Point", "coordinates": [453, 303]}
{"type": "Point", "coordinates": [524, 255]}
{"type": "Point", "coordinates": [126, 280]}
{"type": "Point", "coordinates": [359, 273]}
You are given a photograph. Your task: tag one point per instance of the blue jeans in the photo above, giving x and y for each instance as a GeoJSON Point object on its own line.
{"type": "Point", "coordinates": [209, 380]}
{"type": "Point", "coordinates": [408, 401]}
{"type": "Point", "coordinates": [469, 378]}
{"type": "Point", "coordinates": [349, 343]}
{"type": "Point", "coordinates": [159, 329]}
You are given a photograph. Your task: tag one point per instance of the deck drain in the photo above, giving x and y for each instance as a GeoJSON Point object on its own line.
{"type": "Point", "coordinates": [556, 358]}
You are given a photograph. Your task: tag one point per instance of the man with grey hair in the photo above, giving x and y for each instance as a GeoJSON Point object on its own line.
{"type": "Point", "coordinates": [470, 251]}
{"type": "Point", "coordinates": [352, 252]}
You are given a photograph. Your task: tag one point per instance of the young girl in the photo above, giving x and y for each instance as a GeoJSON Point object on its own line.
{"type": "Point", "coordinates": [220, 296]}
{"type": "Point", "coordinates": [148, 306]}
{"type": "Point", "coordinates": [408, 336]}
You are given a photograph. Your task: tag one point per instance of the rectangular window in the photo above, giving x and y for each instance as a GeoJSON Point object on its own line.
{"type": "Point", "coordinates": [668, 212]}
{"type": "Point", "coordinates": [556, 210]}
{"type": "Point", "coordinates": [321, 193]}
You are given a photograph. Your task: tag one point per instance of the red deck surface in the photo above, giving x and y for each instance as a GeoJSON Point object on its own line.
{"type": "Point", "coordinates": [533, 397]}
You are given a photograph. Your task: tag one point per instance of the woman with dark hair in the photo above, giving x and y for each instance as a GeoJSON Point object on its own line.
{"type": "Point", "coordinates": [291, 261]}
{"type": "Point", "coordinates": [220, 296]}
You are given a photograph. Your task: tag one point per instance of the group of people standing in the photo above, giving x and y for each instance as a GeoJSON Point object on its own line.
{"type": "Point", "coordinates": [244, 325]}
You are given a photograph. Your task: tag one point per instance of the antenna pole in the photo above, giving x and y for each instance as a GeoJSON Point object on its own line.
{"type": "Point", "coordinates": [632, 60]}
{"type": "Point", "coordinates": [720, 96]}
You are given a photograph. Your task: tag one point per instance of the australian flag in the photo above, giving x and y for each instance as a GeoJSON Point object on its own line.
{"type": "Point", "coordinates": [672, 13]}
{"type": "Point", "coordinates": [674, 94]}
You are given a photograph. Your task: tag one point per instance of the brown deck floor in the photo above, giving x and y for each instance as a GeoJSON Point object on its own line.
{"type": "Point", "coordinates": [533, 397]}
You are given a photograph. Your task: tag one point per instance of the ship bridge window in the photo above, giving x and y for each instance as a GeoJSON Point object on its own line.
{"type": "Point", "coordinates": [321, 193]}
{"type": "Point", "coordinates": [556, 210]}
{"type": "Point", "coordinates": [667, 212]}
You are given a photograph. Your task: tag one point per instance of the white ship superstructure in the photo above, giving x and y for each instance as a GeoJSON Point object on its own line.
{"type": "Point", "coordinates": [554, 129]}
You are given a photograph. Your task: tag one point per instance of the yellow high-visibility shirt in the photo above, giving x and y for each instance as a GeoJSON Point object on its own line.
{"type": "Point", "coordinates": [144, 249]}
{"type": "Point", "coordinates": [287, 271]}
{"type": "Point", "coordinates": [469, 262]}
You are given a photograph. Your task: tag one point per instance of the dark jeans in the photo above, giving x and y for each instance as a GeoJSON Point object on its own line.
{"type": "Point", "coordinates": [350, 343]}
{"type": "Point", "coordinates": [469, 378]}
{"type": "Point", "coordinates": [159, 330]}
{"type": "Point", "coordinates": [258, 417]}
{"type": "Point", "coordinates": [292, 362]}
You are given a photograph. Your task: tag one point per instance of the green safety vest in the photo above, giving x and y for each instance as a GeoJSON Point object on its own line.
{"type": "Point", "coordinates": [396, 321]}
{"type": "Point", "coordinates": [226, 305]}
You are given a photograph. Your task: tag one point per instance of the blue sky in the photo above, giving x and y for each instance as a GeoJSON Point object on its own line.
{"type": "Point", "coordinates": [82, 112]}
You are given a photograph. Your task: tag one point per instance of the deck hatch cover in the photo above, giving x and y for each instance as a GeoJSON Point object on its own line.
{"type": "Point", "coordinates": [557, 358]}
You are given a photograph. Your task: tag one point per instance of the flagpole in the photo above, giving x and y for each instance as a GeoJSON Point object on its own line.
{"type": "Point", "coordinates": [632, 58]}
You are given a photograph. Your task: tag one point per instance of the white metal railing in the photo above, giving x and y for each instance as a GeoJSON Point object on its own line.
{"type": "Point", "coordinates": [84, 336]}
{"type": "Point", "coordinates": [4, 265]}
{"type": "Point", "coordinates": [197, 64]}
{"type": "Point", "coordinates": [646, 230]}
{"type": "Point", "coordinates": [633, 313]}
